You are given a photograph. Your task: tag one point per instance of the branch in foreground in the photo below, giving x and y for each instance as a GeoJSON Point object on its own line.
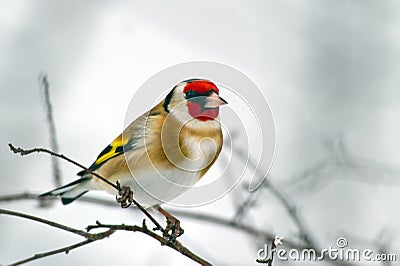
{"type": "Point", "coordinates": [176, 245]}
{"type": "Point", "coordinates": [89, 237]}
{"type": "Point", "coordinates": [38, 150]}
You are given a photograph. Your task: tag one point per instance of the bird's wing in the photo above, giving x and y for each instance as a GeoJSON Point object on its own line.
{"type": "Point", "coordinates": [131, 139]}
{"type": "Point", "coordinates": [116, 148]}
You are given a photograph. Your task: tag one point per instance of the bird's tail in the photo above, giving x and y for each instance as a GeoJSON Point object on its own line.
{"type": "Point", "coordinates": [71, 191]}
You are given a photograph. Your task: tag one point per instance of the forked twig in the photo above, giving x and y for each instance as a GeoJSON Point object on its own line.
{"type": "Point", "coordinates": [91, 237]}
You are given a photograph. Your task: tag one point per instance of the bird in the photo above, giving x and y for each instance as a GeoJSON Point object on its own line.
{"type": "Point", "coordinates": [161, 154]}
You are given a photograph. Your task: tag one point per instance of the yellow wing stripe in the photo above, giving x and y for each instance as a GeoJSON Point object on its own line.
{"type": "Point", "coordinates": [112, 150]}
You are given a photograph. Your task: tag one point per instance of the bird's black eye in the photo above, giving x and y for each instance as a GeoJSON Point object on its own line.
{"type": "Point", "coordinates": [190, 94]}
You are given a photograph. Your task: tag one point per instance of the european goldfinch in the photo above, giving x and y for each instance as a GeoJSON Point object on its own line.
{"type": "Point", "coordinates": [163, 152]}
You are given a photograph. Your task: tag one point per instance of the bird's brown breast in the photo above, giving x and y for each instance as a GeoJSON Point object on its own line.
{"type": "Point", "coordinates": [173, 145]}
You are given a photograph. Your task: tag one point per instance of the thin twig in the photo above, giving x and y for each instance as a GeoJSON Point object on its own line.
{"type": "Point", "coordinates": [44, 85]}
{"type": "Point", "coordinates": [65, 249]}
{"type": "Point", "coordinates": [175, 244]}
{"type": "Point", "coordinates": [91, 237]}
{"type": "Point", "coordinates": [44, 221]}
{"type": "Point", "coordinates": [24, 152]}
{"type": "Point", "coordinates": [38, 150]}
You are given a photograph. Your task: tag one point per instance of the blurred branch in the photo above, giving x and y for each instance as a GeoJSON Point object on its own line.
{"type": "Point", "coordinates": [305, 234]}
{"type": "Point", "coordinates": [249, 202]}
{"type": "Point", "coordinates": [44, 85]}
{"type": "Point", "coordinates": [339, 159]}
{"type": "Point", "coordinates": [19, 196]}
{"type": "Point", "coordinates": [176, 245]}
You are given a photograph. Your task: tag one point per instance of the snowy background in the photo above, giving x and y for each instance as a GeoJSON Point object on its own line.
{"type": "Point", "coordinates": [329, 70]}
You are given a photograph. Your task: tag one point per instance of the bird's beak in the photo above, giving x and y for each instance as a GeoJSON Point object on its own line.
{"type": "Point", "coordinates": [214, 100]}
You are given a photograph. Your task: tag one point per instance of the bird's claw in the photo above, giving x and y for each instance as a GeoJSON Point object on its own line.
{"type": "Point", "coordinates": [173, 226]}
{"type": "Point", "coordinates": [125, 195]}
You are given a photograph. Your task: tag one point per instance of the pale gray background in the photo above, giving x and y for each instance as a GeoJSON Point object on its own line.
{"type": "Point", "coordinates": [327, 68]}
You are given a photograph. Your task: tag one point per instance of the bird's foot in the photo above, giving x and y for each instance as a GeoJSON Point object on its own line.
{"type": "Point", "coordinates": [173, 229]}
{"type": "Point", "coordinates": [173, 226]}
{"type": "Point", "coordinates": [125, 195]}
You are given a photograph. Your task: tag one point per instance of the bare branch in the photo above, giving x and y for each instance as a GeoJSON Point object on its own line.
{"type": "Point", "coordinates": [89, 237]}
{"type": "Point", "coordinates": [66, 249]}
{"type": "Point", "coordinates": [176, 245]}
{"type": "Point", "coordinates": [24, 152]}
{"type": "Point", "coordinates": [44, 221]}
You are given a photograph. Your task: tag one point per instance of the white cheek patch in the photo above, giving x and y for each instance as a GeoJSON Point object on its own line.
{"type": "Point", "coordinates": [181, 113]}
